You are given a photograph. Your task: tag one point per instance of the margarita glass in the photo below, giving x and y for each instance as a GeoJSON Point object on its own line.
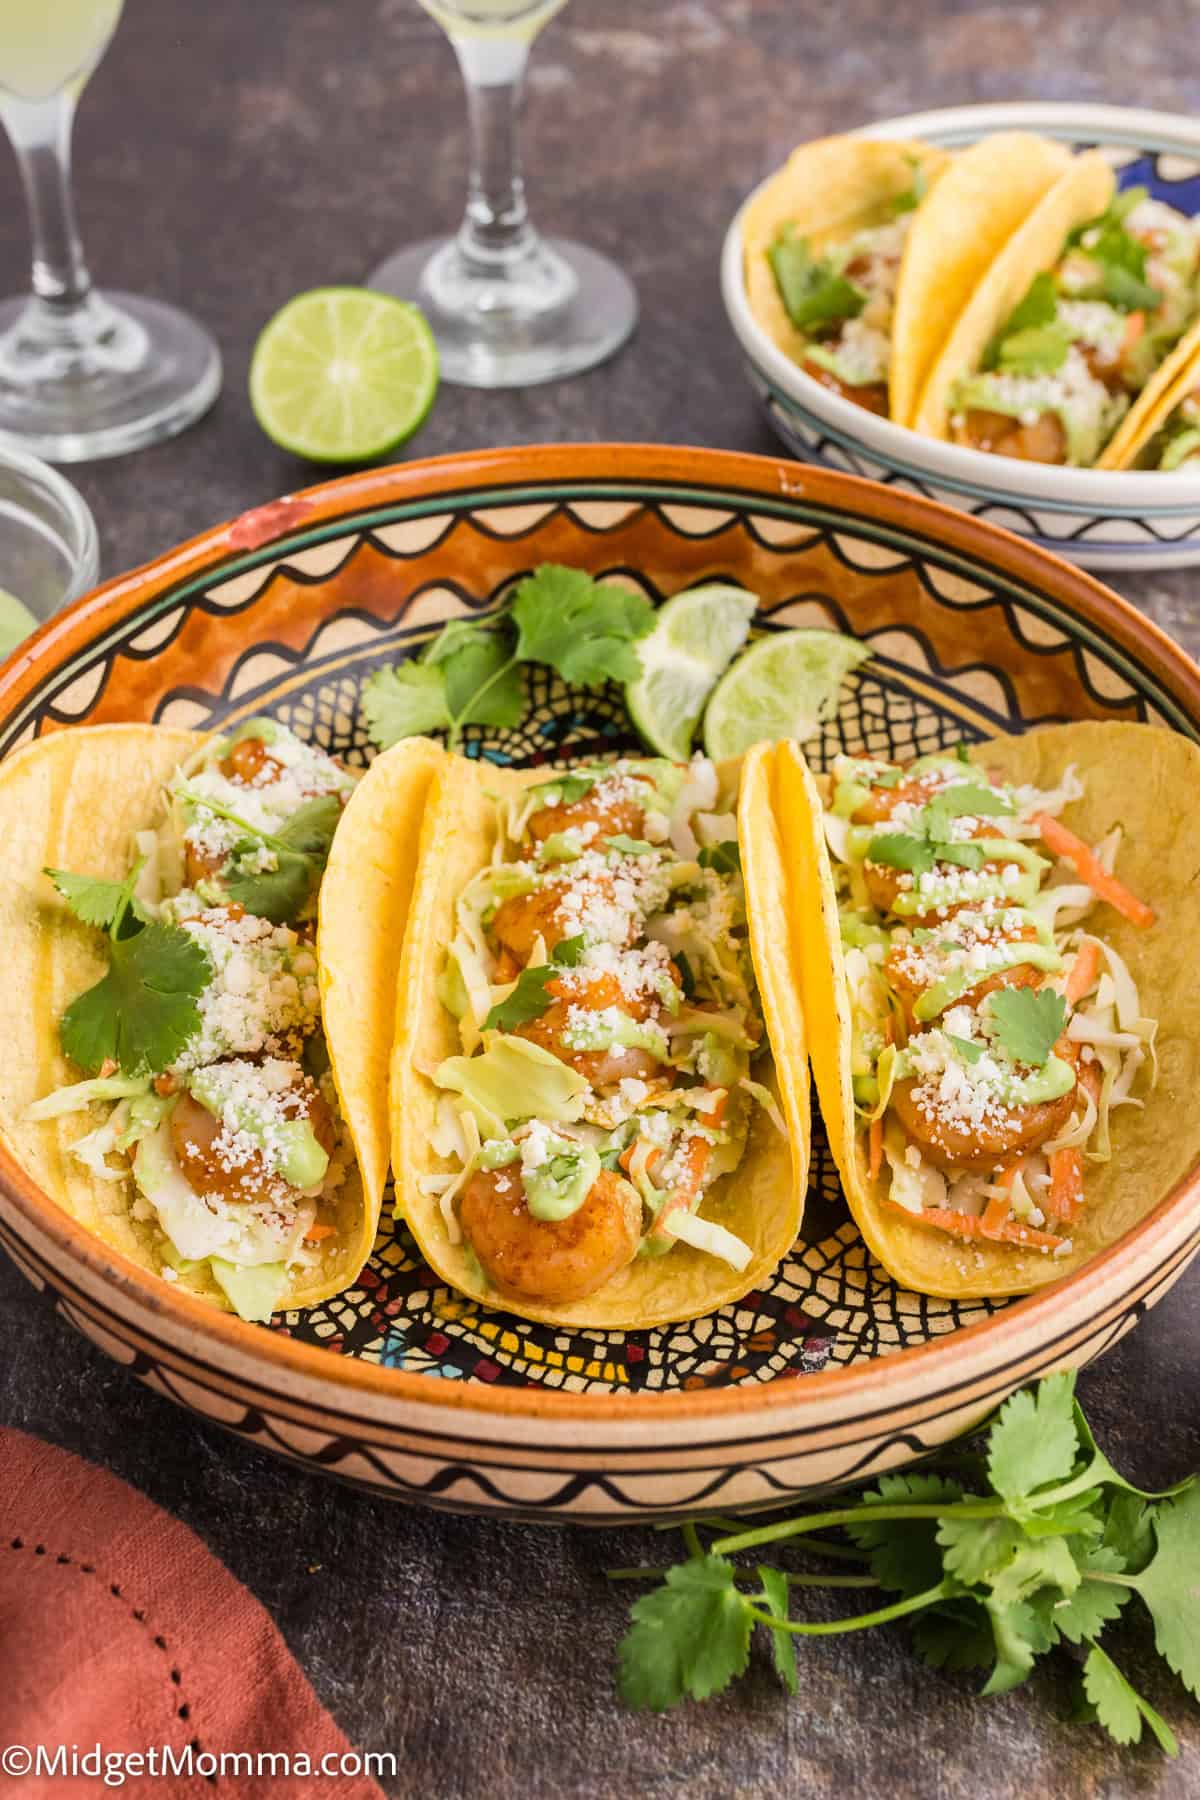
{"type": "Point", "coordinates": [81, 375]}
{"type": "Point", "coordinates": [508, 307]}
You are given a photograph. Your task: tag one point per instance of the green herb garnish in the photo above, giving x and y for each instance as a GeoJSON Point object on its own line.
{"type": "Point", "coordinates": [529, 999]}
{"type": "Point", "coordinates": [299, 851]}
{"type": "Point", "coordinates": [472, 673]}
{"type": "Point", "coordinates": [1027, 1022]}
{"type": "Point", "coordinates": [724, 858]}
{"type": "Point", "coordinates": [141, 1014]}
{"type": "Point", "coordinates": [1044, 1546]}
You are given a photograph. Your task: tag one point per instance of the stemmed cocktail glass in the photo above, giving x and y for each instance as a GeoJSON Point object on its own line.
{"type": "Point", "coordinates": [81, 374]}
{"type": "Point", "coordinates": [507, 306]}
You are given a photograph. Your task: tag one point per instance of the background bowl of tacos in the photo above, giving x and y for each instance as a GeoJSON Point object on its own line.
{"type": "Point", "coordinates": [827, 1368]}
{"type": "Point", "coordinates": [990, 368]}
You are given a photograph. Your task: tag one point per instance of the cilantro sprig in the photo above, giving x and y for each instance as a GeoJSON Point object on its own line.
{"type": "Point", "coordinates": [1027, 1022]}
{"type": "Point", "coordinates": [1046, 1547]}
{"type": "Point", "coordinates": [299, 850]}
{"type": "Point", "coordinates": [1118, 255]}
{"type": "Point", "coordinates": [142, 1012]}
{"type": "Point", "coordinates": [928, 840]}
{"type": "Point", "coordinates": [529, 998]}
{"type": "Point", "coordinates": [472, 673]}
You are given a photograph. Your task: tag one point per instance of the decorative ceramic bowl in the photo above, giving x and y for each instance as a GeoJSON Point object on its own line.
{"type": "Point", "coordinates": [399, 1385]}
{"type": "Point", "coordinates": [1097, 518]}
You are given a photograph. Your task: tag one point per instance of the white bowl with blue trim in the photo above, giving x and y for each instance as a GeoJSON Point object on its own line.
{"type": "Point", "coordinates": [1100, 519]}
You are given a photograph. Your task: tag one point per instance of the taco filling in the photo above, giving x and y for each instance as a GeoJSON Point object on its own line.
{"type": "Point", "coordinates": [1176, 444]}
{"type": "Point", "coordinates": [993, 1033]}
{"type": "Point", "coordinates": [203, 1041]}
{"type": "Point", "coordinates": [841, 300]}
{"type": "Point", "coordinates": [1065, 367]}
{"type": "Point", "coordinates": [601, 979]}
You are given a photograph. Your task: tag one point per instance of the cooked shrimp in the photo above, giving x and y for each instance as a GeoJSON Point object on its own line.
{"type": "Point", "coordinates": [884, 883]}
{"type": "Point", "coordinates": [908, 987]}
{"type": "Point", "coordinates": [915, 790]}
{"type": "Point", "coordinates": [1006, 1132]}
{"type": "Point", "coordinates": [524, 917]}
{"type": "Point", "coordinates": [250, 764]}
{"type": "Point", "coordinates": [607, 806]}
{"type": "Point", "coordinates": [194, 1132]}
{"type": "Point", "coordinates": [595, 993]}
{"type": "Point", "coordinates": [550, 1261]}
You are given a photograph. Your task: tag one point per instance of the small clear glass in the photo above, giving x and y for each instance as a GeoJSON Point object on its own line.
{"type": "Point", "coordinates": [508, 307]}
{"type": "Point", "coordinates": [49, 554]}
{"type": "Point", "coordinates": [82, 374]}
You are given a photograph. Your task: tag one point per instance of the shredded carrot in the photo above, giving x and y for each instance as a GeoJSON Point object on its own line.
{"type": "Point", "coordinates": [1066, 1185]}
{"type": "Point", "coordinates": [315, 1233]}
{"type": "Point", "coordinates": [1065, 1198]}
{"type": "Point", "coordinates": [1084, 971]}
{"type": "Point", "coordinates": [971, 1225]}
{"type": "Point", "coordinates": [876, 1142]}
{"type": "Point", "coordinates": [997, 1210]}
{"type": "Point", "coordinates": [695, 1160]}
{"type": "Point", "coordinates": [1135, 324]}
{"type": "Point", "coordinates": [1088, 866]}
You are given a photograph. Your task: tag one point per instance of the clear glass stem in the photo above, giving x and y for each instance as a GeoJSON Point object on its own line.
{"type": "Point", "coordinates": [496, 228]}
{"type": "Point", "coordinates": [41, 137]}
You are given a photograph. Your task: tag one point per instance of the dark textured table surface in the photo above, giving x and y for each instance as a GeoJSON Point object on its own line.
{"type": "Point", "coordinates": [228, 155]}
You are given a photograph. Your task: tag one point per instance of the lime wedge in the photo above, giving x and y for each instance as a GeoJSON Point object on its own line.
{"type": "Point", "coordinates": [16, 622]}
{"type": "Point", "coordinates": [343, 375]}
{"type": "Point", "coordinates": [782, 687]}
{"type": "Point", "coordinates": [695, 636]}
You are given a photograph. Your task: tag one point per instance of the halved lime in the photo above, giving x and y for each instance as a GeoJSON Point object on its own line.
{"type": "Point", "coordinates": [782, 687]}
{"type": "Point", "coordinates": [695, 636]}
{"type": "Point", "coordinates": [16, 622]}
{"type": "Point", "coordinates": [341, 374]}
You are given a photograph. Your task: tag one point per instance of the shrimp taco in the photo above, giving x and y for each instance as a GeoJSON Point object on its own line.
{"type": "Point", "coordinates": [167, 1079]}
{"type": "Point", "coordinates": [1083, 321]}
{"type": "Point", "coordinates": [1170, 435]}
{"type": "Point", "coordinates": [599, 1082]}
{"type": "Point", "coordinates": [995, 951]}
{"type": "Point", "coordinates": [860, 254]}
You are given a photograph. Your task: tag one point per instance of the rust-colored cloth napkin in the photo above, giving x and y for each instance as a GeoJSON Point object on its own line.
{"type": "Point", "coordinates": [119, 1629]}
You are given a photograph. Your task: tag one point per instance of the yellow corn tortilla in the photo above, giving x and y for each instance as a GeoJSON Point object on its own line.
{"type": "Point", "coordinates": [828, 190]}
{"type": "Point", "coordinates": [761, 1201]}
{"type": "Point", "coordinates": [1169, 384]}
{"type": "Point", "coordinates": [1084, 187]}
{"type": "Point", "coordinates": [74, 800]}
{"type": "Point", "coordinates": [1141, 778]}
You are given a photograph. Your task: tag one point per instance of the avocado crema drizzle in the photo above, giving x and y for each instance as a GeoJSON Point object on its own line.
{"type": "Point", "coordinates": [601, 978]}
{"type": "Point", "coordinates": [234, 1142]}
{"type": "Point", "coordinates": [992, 1034]}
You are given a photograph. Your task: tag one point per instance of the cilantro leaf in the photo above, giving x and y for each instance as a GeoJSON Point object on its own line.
{"type": "Point", "coordinates": [407, 700]}
{"type": "Point", "coordinates": [1081, 1616]}
{"type": "Point", "coordinates": [1019, 1637]}
{"type": "Point", "coordinates": [813, 293]}
{"type": "Point", "coordinates": [94, 901]}
{"type": "Point", "coordinates": [783, 1643]}
{"type": "Point", "coordinates": [529, 999]}
{"type": "Point", "coordinates": [725, 858]}
{"type": "Point", "coordinates": [1027, 1022]}
{"type": "Point", "coordinates": [1034, 1441]}
{"type": "Point", "coordinates": [900, 850]}
{"type": "Point", "coordinates": [1119, 1707]}
{"type": "Point", "coordinates": [691, 1636]}
{"type": "Point", "coordinates": [956, 1634]}
{"type": "Point", "coordinates": [969, 1052]}
{"type": "Point", "coordinates": [483, 684]}
{"type": "Point", "coordinates": [977, 1549]}
{"type": "Point", "coordinates": [966, 800]}
{"type": "Point", "coordinates": [1170, 1585]}
{"type": "Point", "coordinates": [1129, 1530]}
{"type": "Point", "coordinates": [300, 849]}
{"type": "Point", "coordinates": [904, 1552]}
{"type": "Point", "coordinates": [584, 629]}
{"type": "Point", "coordinates": [143, 1011]}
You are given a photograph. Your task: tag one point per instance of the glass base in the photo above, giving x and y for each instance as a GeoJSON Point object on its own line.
{"type": "Point", "coordinates": [552, 311]}
{"type": "Point", "coordinates": [113, 375]}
